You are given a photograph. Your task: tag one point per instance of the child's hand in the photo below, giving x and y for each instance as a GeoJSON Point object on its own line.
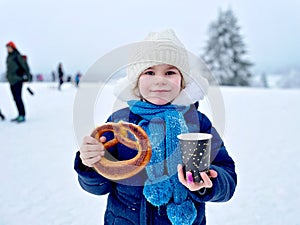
{"type": "Point", "coordinates": [91, 150]}
{"type": "Point", "coordinates": [193, 186]}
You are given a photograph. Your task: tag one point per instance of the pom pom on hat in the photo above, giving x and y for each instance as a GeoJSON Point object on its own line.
{"type": "Point", "coordinates": [11, 44]}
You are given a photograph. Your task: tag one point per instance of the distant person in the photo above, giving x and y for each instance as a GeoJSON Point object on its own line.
{"type": "Point", "coordinates": [60, 76]}
{"type": "Point", "coordinates": [2, 116]}
{"type": "Point", "coordinates": [77, 79]}
{"type": "Point", "coordinates": [53, 76]}
{"type": "Point", "coordinates": [17, 72]}
{"type": "Point", "coordinates": [40, 77]}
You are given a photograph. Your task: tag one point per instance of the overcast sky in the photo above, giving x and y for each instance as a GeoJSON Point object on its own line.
{"type": "Point", "coordinates": [78, 32]}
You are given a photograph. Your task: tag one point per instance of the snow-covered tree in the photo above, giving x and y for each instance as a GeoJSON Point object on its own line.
{"type": "Point", "coordinates": [225, 50]}
{"type": "Point", "coordinates": [290, 80]}
{"type": "Point", "coordinates": [264, 80]}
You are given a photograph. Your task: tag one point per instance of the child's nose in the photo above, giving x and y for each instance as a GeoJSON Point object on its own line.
{"type": "Point", "coordinates": [160, 79]}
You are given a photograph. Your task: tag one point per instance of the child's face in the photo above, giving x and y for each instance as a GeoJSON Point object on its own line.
{"type": "Point", "coordinates": [160, 84]}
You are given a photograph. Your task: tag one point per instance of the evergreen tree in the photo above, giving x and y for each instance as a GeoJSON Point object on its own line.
{"type": "Point", "coordinates": [225, 50]}
{"type": "Point", "coordinates": [264, 80]}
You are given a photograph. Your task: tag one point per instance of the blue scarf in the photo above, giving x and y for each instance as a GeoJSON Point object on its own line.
{"type": "Point", "coordinates": [162, 124]}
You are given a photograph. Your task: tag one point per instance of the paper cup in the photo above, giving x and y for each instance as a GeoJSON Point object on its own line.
{"type": "Point", "coordinates": [195, 151]}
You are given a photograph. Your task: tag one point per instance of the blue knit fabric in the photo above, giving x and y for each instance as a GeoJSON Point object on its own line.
{"type": "Point", "coordinates": [162, 124]}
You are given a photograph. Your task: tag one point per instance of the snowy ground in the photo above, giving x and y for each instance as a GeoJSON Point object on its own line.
{"type": "Point", "coordinates": [39, 186]}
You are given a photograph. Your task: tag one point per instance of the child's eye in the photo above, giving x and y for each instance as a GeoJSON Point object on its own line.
{"type": "Point", "coordinates": [170, 73]}
{"type": "Point", "coordinates": [149, 73]}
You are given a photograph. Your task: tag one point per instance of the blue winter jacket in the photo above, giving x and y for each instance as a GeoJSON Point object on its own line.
{"type": "Point", "coordinates": [126, 204]}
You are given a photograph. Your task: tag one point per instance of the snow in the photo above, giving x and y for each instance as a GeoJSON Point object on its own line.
{"type": "Point", "coordinates": [39, 185]}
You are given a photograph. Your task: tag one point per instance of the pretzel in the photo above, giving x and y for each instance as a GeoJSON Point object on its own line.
{"type": "Point", "coordinates": [117, 170]}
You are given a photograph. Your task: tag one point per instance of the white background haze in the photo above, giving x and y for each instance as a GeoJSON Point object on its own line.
{"type": "Point", "coordinates": [77, 32]}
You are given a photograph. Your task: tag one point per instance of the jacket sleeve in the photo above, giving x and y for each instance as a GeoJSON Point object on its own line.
{"type": "Point", "coordinates": [90, 180]}
{"type": "Point", "coordinates": [225, 183]}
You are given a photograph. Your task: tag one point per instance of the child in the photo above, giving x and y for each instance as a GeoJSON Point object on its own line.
{"type": "Point", "coordinates": [161, 96]}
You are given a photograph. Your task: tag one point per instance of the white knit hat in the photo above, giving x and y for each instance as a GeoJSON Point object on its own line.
{"type": "Point", "coordinates": [162, 48]}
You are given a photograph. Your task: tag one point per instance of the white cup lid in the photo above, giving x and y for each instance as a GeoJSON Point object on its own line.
{"type": "Point", "coordinates": [194, 136]}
